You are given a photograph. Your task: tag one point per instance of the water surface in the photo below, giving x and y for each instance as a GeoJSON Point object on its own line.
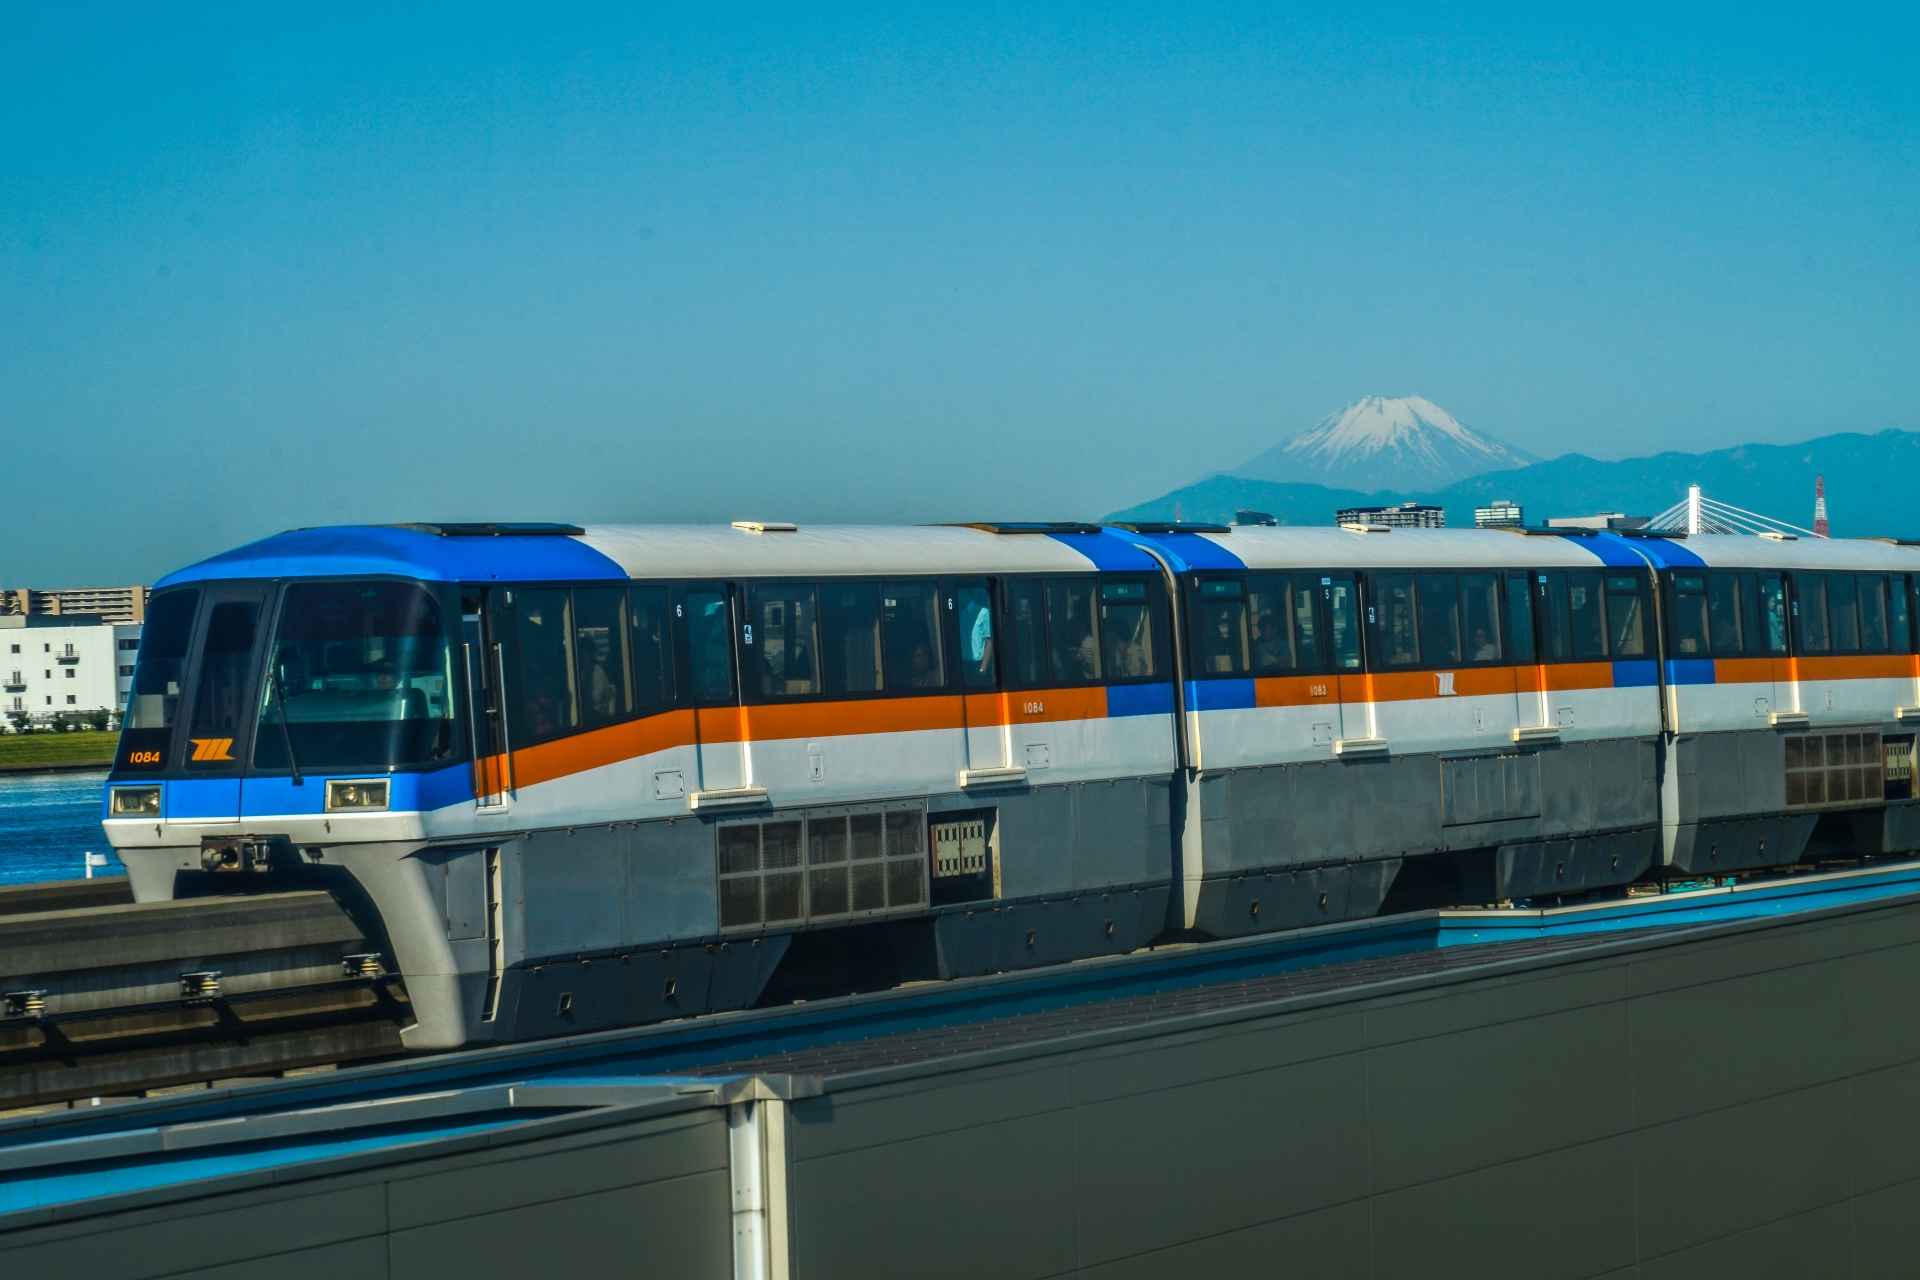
{"type": "Point", "coordinates": [48, 824]}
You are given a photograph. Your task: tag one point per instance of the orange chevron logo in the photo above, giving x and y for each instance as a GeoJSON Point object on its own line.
{"type": "Point", "coordinates": [211, 748]}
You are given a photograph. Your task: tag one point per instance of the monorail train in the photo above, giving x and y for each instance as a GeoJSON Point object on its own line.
{"type": "Point", "coordinates": [576, 778]}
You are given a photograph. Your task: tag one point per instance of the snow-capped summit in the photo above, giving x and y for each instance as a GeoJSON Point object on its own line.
{"type": "Point", "coordinates": [1409, 445]}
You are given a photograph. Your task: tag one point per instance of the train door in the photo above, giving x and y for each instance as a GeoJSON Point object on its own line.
{"type": "Point", "coordinates": [1532, 719]}
{"type": "Point", "coordinates": [1340, 593]}
{"type": "Point", "coordinates": [709, 614]}
{"type": "Point", "coordinates": [983, 705]}
{"type": "Point", "coordinates": [485, 664]}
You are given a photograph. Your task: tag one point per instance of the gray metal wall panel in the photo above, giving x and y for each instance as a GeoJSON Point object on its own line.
{"type": "Point", "coordinates": [670, 883]}
{"type": "Point", "coordinates": [351, 1260]}
{"type": "Point", "coordinates": [680, 1227]}
{"type": "Point", "coordinates": [1261, 813]}
{"type": "Point", "coordinates": [236, 1231]}
{"type": "Point", "coordinates": [1036, 841]}
{"type": "Point", "coordinates": [1566, 788]}
{"type": "Point", "coordinates": [1323, 812]}
{"type": "Point", "coordinates": [575, 885]}
{"type": "Point", "coordinates": [1112, 827]}
{"type": "Point", "coordinates": [1706, 1109]}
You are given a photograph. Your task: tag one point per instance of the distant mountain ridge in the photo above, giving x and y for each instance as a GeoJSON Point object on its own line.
{"type": "Point", "coordinates": [1868, 477]}
{"type": "Point", "coordinates": [1377, 443]}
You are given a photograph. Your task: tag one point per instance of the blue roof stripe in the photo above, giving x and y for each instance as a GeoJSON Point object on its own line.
{"type": "Point", "coordinates": [1666, 553]}
{"type": "Point", "coordinates": [359, 551]}
{"type": "Point", "coordinates": [1109, 554]}
{"type": "Point", "coordinates": [1199, 551]}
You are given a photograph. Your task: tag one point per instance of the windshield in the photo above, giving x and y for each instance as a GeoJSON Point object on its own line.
{"type": "Point", "coordinates": [361, 677]}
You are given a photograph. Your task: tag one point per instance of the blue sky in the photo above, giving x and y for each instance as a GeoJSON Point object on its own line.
{"type": "Point", "coordinates": [692, 263]}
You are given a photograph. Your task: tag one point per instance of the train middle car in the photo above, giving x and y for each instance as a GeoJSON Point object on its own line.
{"type": "Point", "coordinates": [578, 778]}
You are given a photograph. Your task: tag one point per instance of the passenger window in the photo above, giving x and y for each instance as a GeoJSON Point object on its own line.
{"type": "Point", "coordinates": [1810, 608]}
{"type": "Point", "coordinates": [599, 626]}
{"type": "Point", "coordinates": [1480, 616]}
{"type": "Point", "coordinates": [1269, 613]}
{"type": "Point", "coordinates": [1843, 618]}
{"type": "Point", "coordinates": [547, 703]}
{"type": "Point", "coordinates": [1029, 631]}
{"type": "Point", "coordinates": [1586, 620]}
{"type": "Point", "coordinates": [1873, 613]}
{"type": "Point", "coordinates": [647, 627]}
{"type": "Point", "coordinates": [1393, 622]}
{"type": "Point", "coordinates": [1220, 630]}
{"type": "Point", "coordinates": [782, 630]}
{"type": "Point", "coordinates": [976, 637]}
{"type": "Point", "coordinates": [710, 646]}
{"type": "Point", "coordinates": [1626, 616]}
{"type": "Point", "coordinates": [226, 671]}
{"type": "Point", "coordinates": [1723, 612]}
{"type": "Point", "coordinates": [850, 637]}
{"type": "Point", "coordinates": [914, 658]}
{"type": "Point", "coordinates": [1773, 601]}
{"type": "Point", "coordinates": [1897, 609]}
{"type": "Point", "coordinates": [1519, 618]}
{"type": "Point", "coordinates": [1343, 617]}
{"type": "Point", "coordinates": [1126, 631]}
{"type": "Point", "coordinates": [1553, 600]}
{"type": "Point", "coordinates": [1073, 649]}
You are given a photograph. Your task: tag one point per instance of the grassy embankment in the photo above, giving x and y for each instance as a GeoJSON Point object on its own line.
{"type": "Point", "coordinates": [56, 748]}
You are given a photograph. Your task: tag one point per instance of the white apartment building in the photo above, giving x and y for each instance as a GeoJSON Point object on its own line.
{"type": "Point", "coordinates": [52, 665]}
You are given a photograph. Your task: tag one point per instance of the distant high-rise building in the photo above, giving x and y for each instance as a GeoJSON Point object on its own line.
{"type": "Point", "coordinates": [1408, 515]}
{"type": "Point", "coordinates": [1500, 513]}
{"type": "Point", "coordinates": [1253, 517]}
{"type": "Point", "coordinates": [1820, 507]}
{"type": "Point", "coordinates": [112, 604]}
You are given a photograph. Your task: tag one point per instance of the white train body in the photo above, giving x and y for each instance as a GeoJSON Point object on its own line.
{"type": "Point", "coordinates": [582, 778]}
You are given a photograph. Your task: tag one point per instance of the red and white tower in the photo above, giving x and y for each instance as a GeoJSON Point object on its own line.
{"type": "Point", "coordinates": [1819, 506]}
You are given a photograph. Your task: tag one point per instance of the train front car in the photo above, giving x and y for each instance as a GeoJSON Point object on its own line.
{"type": "Point", "coordinates": [576, 779]}
{"type": "Point", "coordinates": [1792, 699]}
{"type": "Point", "coordinates": [1396, 720]}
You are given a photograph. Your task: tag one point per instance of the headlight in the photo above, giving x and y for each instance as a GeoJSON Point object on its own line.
{"type": "Point", "coordinates": [356, 795]}
{"type": "Point", "coordinates": [136, 802]}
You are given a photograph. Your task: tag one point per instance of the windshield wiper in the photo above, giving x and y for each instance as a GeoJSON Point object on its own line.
{"type": "Point", "coordinates": [280, 696]}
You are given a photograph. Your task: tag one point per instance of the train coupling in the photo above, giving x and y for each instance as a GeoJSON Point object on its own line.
{"type": "Point", "coordinates": [240, 853]}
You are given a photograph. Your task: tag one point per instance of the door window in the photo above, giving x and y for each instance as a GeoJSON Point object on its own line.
{"type": "Point", "coordinates": [1810, 606]}
{"type": "Point", "coordinates": [976, 637]}
{"type": "Point", "coordinates": [1519, 618]}
{"type": "Point", "coordinates": [1897, 614]}
{"type": "Point", "coordinates": [1343, 620]}
{"type": "Point", "coordinates": [1126, 631]}
{"type": "Point", "coordinates": [710, 646]}
{"type": "Point", "coordinates": [650, 645]}
{"type": "Point", "coordinates": [1873, 612]}
{"type": "Point", "coordinates": [1029, 631]}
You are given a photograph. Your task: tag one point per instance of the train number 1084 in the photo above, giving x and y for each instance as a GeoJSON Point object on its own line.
{"type": "Point", "coordinates": [143, 757]}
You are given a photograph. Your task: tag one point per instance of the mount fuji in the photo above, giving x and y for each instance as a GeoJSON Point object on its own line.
{"type": "Point", "coordinates": [1409, 444]}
